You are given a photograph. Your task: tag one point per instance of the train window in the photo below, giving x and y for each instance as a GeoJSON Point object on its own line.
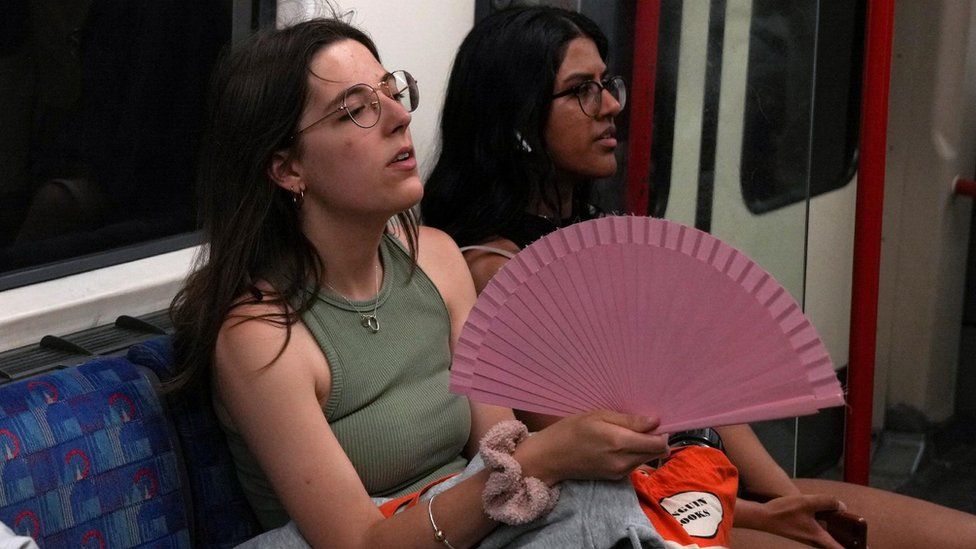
{"type": "Point", "coordinates": [782, 142]}
{"type": "Point", "coordinates": [102, 105]}
{"type": "Point", "coordinates": [779, 89]}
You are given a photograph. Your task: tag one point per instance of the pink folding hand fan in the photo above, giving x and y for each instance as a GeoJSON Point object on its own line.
{"type": "Point", "coordinates": [643, 316]}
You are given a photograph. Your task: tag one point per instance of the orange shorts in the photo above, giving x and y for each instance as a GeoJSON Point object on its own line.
{"type": "Point", "coordinates": [689, 500]}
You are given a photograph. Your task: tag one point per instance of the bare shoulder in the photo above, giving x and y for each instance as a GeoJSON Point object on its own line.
{"type": "Point", "coordinates": [251, 333]}
{"type": "Point", "coordinates": [437, 249]}
{"type": "Point", "coordinates": [442, 262]}
{"type": "Point", "coordinates": [438, 256]}
{"type": "Point", "coordinates": [483, 264]}
{"type": "Point", "coordinates": [254, 344]}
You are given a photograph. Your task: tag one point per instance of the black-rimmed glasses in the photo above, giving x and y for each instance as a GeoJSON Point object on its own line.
{"type": "Point", "coordinates": [590, 94]}
{"type": "Point", "coordinates": [362, 104]}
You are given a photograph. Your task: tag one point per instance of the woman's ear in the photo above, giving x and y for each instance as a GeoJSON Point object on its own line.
{"type": "Point", "coordinates": [283, 171]}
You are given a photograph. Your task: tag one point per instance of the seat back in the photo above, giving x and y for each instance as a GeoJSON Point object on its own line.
{"type": "Point", "coordinates": [89, 458]}
{"type": "Point", "coordinates": [222, 516]}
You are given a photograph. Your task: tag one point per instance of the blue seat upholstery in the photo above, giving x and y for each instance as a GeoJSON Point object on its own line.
{"type": "Point", "coordinates": [89, 459]}
{"type": "Point", "coordinates": [222, 517]}
{"type": "Point", "coordinates": [93, 456]}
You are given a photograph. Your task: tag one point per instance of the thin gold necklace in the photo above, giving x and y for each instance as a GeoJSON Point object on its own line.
{"type": "Point", "coordinates": [366, 320]}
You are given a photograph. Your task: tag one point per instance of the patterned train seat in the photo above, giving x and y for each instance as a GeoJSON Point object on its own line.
{"type": "Point", "coordinates": [89, 460]}
{"type": "Point", "coordinates": [92, 456]}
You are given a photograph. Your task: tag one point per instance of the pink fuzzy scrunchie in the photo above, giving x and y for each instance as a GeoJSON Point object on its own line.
{"type": "Point", "coordinates": [509, 497]}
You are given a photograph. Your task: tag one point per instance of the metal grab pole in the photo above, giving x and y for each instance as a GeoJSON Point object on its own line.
{"type": "Point", "coordinates": [867, 240]}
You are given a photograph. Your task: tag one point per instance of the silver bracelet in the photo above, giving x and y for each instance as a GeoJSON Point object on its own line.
{"type": "Point", "coordinates": [438, 533]}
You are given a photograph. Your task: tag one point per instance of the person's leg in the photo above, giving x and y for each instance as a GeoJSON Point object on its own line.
{"type": "Point", "coordinates": [744, 538]}
{"type": "Point", "coordinates": [895, 520]}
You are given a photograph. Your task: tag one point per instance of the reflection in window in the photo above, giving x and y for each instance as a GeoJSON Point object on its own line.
{"type": "Point", "coordinates": [101, 109]}
{"type": "Point", "coordinates": [779, 148]}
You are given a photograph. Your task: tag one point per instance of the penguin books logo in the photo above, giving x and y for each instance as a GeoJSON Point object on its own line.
{"type": "Point", "coordinates": [48, 390]}
{"type": "Point", "coordinates": [9, 444]}
{"type": "Point", "coordinates": [699, 513]}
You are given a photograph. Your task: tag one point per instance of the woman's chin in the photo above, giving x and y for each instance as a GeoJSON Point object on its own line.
{"type": "Point", "coordinates": [411, 191]}
{"type": "Point", "coordinates": [603, 168]}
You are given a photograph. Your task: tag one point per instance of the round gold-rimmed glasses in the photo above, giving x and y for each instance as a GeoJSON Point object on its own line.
{"type": "Point", "coordinates": [362, 104]}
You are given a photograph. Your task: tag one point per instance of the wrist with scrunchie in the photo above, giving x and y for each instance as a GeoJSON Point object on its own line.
{"type": "Point", "coordinates": [509, 497]}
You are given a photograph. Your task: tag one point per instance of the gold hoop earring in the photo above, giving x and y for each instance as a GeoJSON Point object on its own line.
{"type": "Point", "coordinates": [298, 198]}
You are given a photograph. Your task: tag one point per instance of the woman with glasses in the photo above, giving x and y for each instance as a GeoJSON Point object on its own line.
{"type": "Point", "coordinates": [528, 122]}
{"type": "Point", "coordinates": [323, 331]}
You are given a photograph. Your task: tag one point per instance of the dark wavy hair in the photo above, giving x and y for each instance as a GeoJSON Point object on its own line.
{"type": "Point", "coordinates": [251, 225]}
{"type": "Point", "coordinates": [498, 95]}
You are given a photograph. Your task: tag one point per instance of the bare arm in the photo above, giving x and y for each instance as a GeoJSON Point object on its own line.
{"type": "Point", "coordinates": [758, 471]}
{"type": "Point", "coordinates": [790, 514]}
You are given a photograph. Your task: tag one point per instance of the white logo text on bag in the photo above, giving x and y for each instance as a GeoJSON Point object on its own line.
{"type": "Point", "coordinates": [699, 513]}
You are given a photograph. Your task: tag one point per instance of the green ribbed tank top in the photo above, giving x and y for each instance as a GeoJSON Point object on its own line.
{"type": "Point", "coordinates": [389, 406]}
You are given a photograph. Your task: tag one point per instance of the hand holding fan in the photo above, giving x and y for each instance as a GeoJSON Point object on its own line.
{"type": "Point", "coordinates": [643, 316]}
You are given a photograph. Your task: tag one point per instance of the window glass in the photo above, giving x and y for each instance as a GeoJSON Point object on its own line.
{"type": "Point", "coordinates": [780, 90]}
{"type": "Point", "coordinates": [781, 93]}
{"type": "Point", "coordinates": [101, 108]}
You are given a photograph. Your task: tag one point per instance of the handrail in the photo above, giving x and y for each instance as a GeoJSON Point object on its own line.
{"type": "Point", "coordinates": [867, 240]}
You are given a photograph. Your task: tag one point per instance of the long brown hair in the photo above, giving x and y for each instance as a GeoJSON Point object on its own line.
{"type": "Point", "coordinates": [251, 226]}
